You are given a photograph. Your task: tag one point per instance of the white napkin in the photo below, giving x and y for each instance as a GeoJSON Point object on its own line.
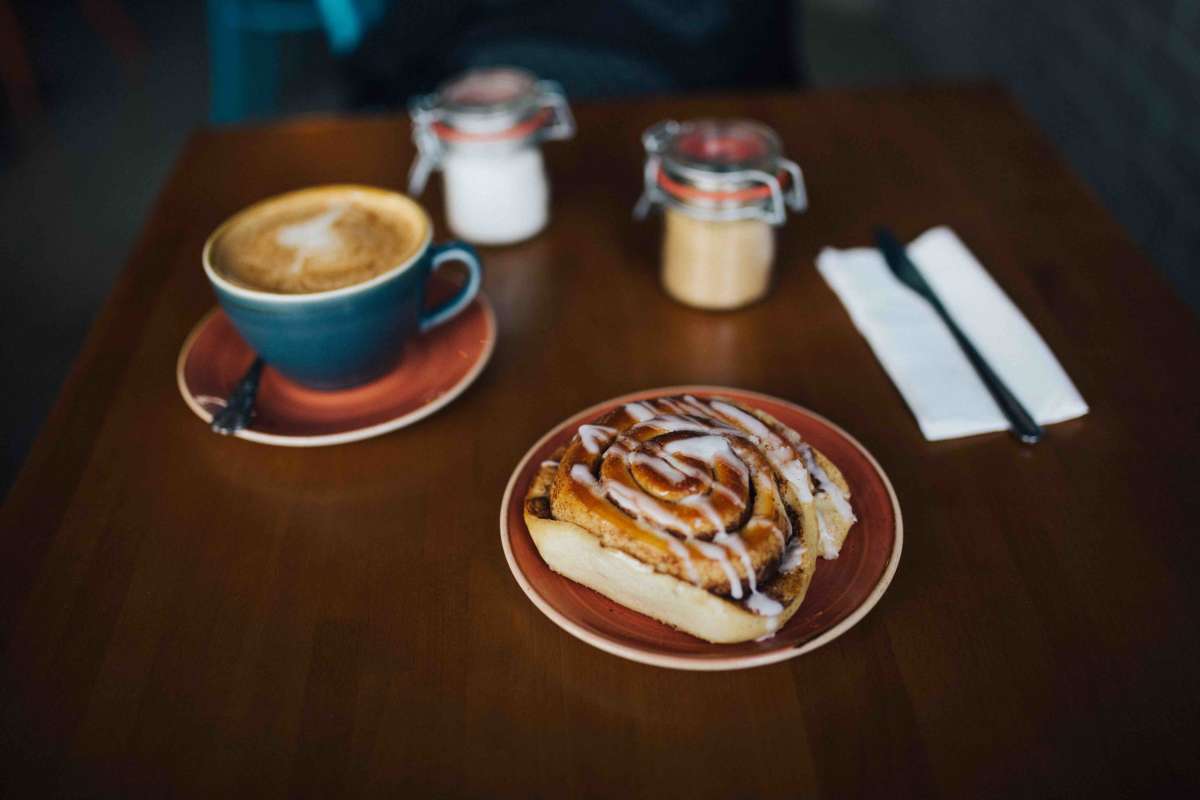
{"type": "Point", "coordinates": [919, 353]}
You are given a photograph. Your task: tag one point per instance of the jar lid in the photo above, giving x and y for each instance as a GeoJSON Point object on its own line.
{"type": "Point", "coordinates": [720, 169]}
{"type": "Point", "coordinates": [493, 103]}
{"type": "Point", "coordinates": [721, 146]}
{"type": "Point", "coordinates": [490, 108]}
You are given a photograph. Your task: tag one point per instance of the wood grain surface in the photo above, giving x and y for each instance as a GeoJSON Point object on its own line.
{"type": "Point", "coordinates": [191, 615]}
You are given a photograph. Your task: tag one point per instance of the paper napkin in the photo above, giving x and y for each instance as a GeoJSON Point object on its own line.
{"type": "Point", "coordinates": [919, 353]}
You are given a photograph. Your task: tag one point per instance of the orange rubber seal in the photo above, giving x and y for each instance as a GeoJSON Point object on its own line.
{"type": "Point", "coordinates": [525, 128]}
{"type": "Point", "coordinates": [740, 195]}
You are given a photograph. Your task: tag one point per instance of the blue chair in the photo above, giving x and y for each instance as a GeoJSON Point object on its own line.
{"type": "Point", "coordinates": [244, 46]}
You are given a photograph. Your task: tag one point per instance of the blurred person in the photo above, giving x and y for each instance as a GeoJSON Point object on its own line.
{"type": "Point", "coordinates": [594, 48]}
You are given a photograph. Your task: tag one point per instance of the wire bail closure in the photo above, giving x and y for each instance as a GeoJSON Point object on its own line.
{"type": "Point", "coordinates": [742, 194]}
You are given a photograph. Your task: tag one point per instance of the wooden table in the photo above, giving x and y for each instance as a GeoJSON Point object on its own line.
{"type": "Point", "coordinates": [215, 617]}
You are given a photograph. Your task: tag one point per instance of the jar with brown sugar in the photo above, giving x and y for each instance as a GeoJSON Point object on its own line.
{"type": "Point", "coordinates": [723, 186]}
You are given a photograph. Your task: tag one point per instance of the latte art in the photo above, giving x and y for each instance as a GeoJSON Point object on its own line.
{"type": "Point", "coordinates": [317, 241]}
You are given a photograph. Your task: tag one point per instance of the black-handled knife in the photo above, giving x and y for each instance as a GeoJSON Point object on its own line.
{"type": "Point", "coordinates": [1024, 427]}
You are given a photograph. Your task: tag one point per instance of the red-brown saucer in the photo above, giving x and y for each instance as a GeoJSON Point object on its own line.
{"type": "Point", "coordinates": [436, 368]}
{"type": "Point", "coordinates": [842, 591]}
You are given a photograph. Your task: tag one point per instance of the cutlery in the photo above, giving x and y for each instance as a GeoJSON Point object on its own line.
{"type": "Point", "coordinates": [239, 406]}
{"type": "Point", "coordinates": [1023, 425]}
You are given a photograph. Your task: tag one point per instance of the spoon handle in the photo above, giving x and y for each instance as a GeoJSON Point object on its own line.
{"type": "Point", "coordinates": [239, 406]}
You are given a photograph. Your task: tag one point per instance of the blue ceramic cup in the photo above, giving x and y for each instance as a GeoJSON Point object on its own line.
{"type": "Point", "coordinates": [352, 334]}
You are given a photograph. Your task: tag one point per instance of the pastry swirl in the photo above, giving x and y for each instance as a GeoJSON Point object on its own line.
{"type": "Point", "coordinates": [721, 497]}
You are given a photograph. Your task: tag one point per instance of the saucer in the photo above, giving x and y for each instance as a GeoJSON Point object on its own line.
{"type": "Point", "coordinates": [842, 591]}
{"type": "Point", "coordinates": [437, 367]}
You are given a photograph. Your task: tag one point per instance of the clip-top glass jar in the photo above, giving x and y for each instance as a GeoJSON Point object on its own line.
{"type": "Point", "coordinates": [482, 129]}
{"type": "Point", "coordinates": [722, 185]}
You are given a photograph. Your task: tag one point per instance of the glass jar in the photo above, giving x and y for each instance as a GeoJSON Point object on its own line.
{"type": "Point", "coordinates": [723, 185]}
{"type": "Point", "coordinates": [483, 130]}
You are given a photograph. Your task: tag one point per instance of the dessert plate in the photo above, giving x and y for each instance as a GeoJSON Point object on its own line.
{"type": "Point", "coordinates": [842, 591]}
{"type": "Point", "coordinates": [437, 367]}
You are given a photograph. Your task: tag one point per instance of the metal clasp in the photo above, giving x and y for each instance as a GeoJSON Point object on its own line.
{"type": "Point", "coordinates": [423, 110]}
{"type": "Point", "coordinates": [797, 197]}
{"type": "Point", "coordinates": [774, 210]}
{"type": "Point", "coordinates": [653, 140]}
{"type": "Point", "coordinates": [562, 123]}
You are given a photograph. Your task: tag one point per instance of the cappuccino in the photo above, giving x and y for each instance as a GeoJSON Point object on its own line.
{"type": "Point", "coordinates": [318, 240]}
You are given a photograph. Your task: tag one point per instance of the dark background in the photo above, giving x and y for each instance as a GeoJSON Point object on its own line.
{"type": "Point", "coordinates": [1113, 83]}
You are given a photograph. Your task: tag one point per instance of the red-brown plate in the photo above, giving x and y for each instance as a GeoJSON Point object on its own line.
{"type": "Point", "coordinates": [841, 593]}
{"type": "Point", "coordinates": [437, 367]}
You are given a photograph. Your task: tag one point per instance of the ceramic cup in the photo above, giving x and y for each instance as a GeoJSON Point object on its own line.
{"type": "Point", "coordinates": [347, 336]}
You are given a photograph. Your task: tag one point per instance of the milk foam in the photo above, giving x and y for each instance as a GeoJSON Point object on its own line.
{"type": "Point", "coordinates": [318, 241]}
{"type": "Point", "coordinates": [313, 235]}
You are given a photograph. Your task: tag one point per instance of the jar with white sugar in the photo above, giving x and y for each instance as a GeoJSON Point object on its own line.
{"type": "Point", "coordinates": [723, 186]}
{"type": "Point", "coordinates": [483, 130]}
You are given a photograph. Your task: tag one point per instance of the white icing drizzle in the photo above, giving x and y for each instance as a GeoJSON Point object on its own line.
{"type": "Point", "coordinates": [639, 412]}
{"type": "Point", "coordinates": [735, 543]}
{"type": "Point", "coordinates": [779, 534]}
{"type": "Point", "coordinates": [709, 448]}
{"type": "Point", "coordinates": [702, 504]}
{"type": "Point", "coordinates": [776, 451]}
{"type": "Point", "coordinates": [551, 464]}
{"type": "Point", "coordinates": [673, 465]}
{"type": "Point", "coordinates": [673, 406]}
{"type": "Point", "coordinates": [773, 447]}
{"type": "Point", "coordinates": [719, 552]}
{"type": "Point", "coordinates": [631, 562]}
{"type": "Point", "coordinates": [829, 548]}
{"type": "Point", "coordinates": [721, 556]}
{"type": "Point", "coordinates": [581, 475]}
{"type": "Point", "coordinates": [765, 605]}
{"type": "Point", "coordinates": [662, 466]}
{"type": "Point", "coordinates": [644, 506]}
{"type": "Point", "coordinates": [672, 424]}
{"type": "Point", "coordinates": [826, 486]}
{"type": "Point", "coordinates": [697, 406]}
{"type": "Point", "coordinates": [593, 437]}
{"type": "Point", "coordinates": [793, 555]}
{"type": "Point", "coordinates": [758, 602]}
{"type": "Point", "coordinates": [703, 448]}
{"type": "Point", "coordinates": [830, 488]}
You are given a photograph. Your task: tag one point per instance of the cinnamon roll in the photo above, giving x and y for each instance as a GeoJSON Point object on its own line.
{"type": "Point", "coordinates": [702, 513]}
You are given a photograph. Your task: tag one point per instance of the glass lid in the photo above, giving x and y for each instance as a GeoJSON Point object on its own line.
{"type": "Point", "coordinates": [493, 90]}
{"type": "Point", "coordinates": [715, 145]}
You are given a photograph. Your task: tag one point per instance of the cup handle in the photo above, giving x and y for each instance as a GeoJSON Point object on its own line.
{"type": "Point", "coordinates": [454, 251]}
